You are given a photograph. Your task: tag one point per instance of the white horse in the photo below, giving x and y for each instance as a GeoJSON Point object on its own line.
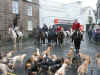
{"type": "Point", "coordinates": [16, 33]}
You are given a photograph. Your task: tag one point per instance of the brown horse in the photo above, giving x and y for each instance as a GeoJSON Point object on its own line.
{"type": "Point", "coordinates": [60, 36]}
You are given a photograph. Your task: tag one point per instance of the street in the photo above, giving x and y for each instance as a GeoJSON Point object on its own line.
{"type": "Point", "coordinates": [87, 47]}
{"type": "Point", "coordinates": [66, 32]}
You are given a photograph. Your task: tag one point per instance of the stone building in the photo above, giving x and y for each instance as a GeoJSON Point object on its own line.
{"type": "Point", "coordinates": [98, 11]}
{"type": "Point", "coordinates": [28, 11]}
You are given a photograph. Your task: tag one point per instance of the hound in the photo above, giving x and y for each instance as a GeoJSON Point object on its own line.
{"type": "Point", "coordinates": [83, 56]}
{"type": "Point", "coordinates": [70, 55]}
{"type": "Point", "coordinates": [19, 58]}
{"type": "Point", "coordinates": [98, 61]}
{"type": "Point", "coordinates": [83, 69]}
{"type": "Point", "coordinates": [9, 54]}
{"type": "Point", "coordinates": [47, 52]}
{"type": "Point", "coordinates": [62, 70]}
{"type": "Point", "coordinates": [4, 68]}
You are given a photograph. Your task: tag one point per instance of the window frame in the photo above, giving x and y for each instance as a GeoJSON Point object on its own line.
{"type": "Point", "coordinates": [29, 10]}
{"type": "Point", "coordinates": [15, 6]}
{"type": "Point", "coordinates": [29, 25]}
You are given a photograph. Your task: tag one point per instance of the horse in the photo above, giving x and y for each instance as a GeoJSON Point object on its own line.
{"type": "Point", "coordinates": [16, 34]}
{"type": "Point", "coordinates": [76, 39]}
{"type": "Point", "coordinates": [19, 36]}
{"type": "Point", "coordinates": [52, 37]}
{"type": "Point", "coordinates": [60, 37]}
{"type": "Point", "coordinates": [42, 37]}
{"type": "Point", "coordinates": [67, 34]}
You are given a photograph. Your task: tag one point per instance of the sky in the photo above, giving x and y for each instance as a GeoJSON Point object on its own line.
{"type": "Point", "coordinates": [85, 3]}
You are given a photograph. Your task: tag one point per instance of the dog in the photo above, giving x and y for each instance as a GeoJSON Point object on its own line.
{"type": "Point", "coordinates": [4, 68]}
{"type": "Point", "coordinates": [28, 63]}
{"type": "Point", "coordinates": [83, 68]}
{"type": "Point", "coordinates": [9, 54]}
{"type": "Point", "coordinates": [37, 52]}
{"type": "Point", "coordinates": [70, 55]}
{"type": "Point", "coordinates": [53, 57]}
{"type": "Point", "coordinates": [98, 61]}
{"type": "Point", "coordinates": [83, 56]}
{"type": "Point", "coordinates": [19, 58]}
{"type": "Point", "coordinates": [47, 52]}
{"type": "Point", "coordinates": [62, 70]}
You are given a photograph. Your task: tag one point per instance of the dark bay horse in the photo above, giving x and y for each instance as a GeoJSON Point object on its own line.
{"type": "Point", "coordinates": [42, 36]}
{"type": "Point", "coordinates": [60, 37]}
{"type": "Point", "coordinates": [52, 37]}
{"type": "Point", "coordinates": [76, 39]}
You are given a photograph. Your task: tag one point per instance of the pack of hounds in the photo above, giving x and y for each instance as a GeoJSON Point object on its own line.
{"type": "Point", "coordinates": [44, 63]}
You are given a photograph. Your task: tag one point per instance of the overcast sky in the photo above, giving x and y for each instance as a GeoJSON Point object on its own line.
{"type": "Point", "coordinates": [91, 3]}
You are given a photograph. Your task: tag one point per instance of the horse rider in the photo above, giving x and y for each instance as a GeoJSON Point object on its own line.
{"type": "Point", "coordinates": [38, 28]}
{"type": "Point", "coordinates": [59, 28]}
{"type": "Point", "coordinates": [54, 28]}
{"type": "Point", "coordinates": [76, 28]}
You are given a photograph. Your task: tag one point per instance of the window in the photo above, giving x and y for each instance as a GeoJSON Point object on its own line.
{"type": "Point", "coordinates": [30, 27]}
{"type": "Point", "coordinates": [29, 10]}
{"type": "Point", "coordinates": [15, 7]}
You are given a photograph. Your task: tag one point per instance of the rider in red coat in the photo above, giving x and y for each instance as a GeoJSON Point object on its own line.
{"type": "Point", "coordinates": [76, 25]}
{"type": "Point", "coordinates": [58, 28]}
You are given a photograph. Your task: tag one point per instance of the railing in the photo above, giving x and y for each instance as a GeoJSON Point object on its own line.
{"type": "Point", "coordinates": [4, 35]}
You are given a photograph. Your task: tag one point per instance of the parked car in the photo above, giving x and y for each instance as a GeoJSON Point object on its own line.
{"type": "Point", "coordinates": [96, 33]}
